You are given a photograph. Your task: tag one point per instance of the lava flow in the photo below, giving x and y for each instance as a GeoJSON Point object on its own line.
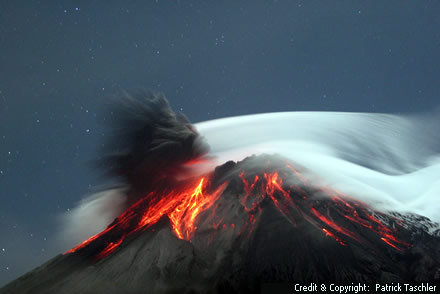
{"type": "Point", "coordinates": [336, 215]}
{"type": "Point", "coordinates": [182, 208]}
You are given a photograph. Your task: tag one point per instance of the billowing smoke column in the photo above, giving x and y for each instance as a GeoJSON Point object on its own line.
{"type": "Point", "coordinates": [149, 145]}
{"type": "Point", "coordinates": [149, 142]}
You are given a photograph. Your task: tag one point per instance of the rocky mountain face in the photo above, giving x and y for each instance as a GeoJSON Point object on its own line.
{"type": "Point", "coordinates": [246, 224]}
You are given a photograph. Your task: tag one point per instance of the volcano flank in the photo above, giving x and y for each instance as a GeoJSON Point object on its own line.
{"type": "Point", "coordinates": [233, 229]}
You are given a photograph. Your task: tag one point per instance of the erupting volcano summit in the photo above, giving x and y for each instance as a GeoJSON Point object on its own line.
{"type": "Point", "coordinates": [229, 229]}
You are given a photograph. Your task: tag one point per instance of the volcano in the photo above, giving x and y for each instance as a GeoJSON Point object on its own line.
{"type": "Point", "coordinates": [233, 229]}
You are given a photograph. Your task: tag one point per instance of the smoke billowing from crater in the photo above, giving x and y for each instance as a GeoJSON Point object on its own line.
{"type": "Point", "coordinates": [148, 145]}
{"type": "Point", "coordinates": [148, 141]}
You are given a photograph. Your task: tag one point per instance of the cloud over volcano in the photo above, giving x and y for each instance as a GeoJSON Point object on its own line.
{"type": "Point", "coordinates": [391, 162]}
{"type": "Point", "coordinates": [306, 197]}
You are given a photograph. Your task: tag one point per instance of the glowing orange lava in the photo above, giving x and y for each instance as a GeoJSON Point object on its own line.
{"type": "Point", "coordinates": [182, 208]}
{"type": "Point", "coordinates": [337, 216]}
{"type": "Point", "coordinates": [185, 214]}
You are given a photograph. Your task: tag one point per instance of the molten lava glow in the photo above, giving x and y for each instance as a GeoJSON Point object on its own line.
{"type": "Point", "coordinates": [185, 214]}
{"type": "Point", "coordinates": [109, 249]}
{"type": "Point", "coordinates": [299, 204]}
{"type": "Point", "coordinates": [337, 216]}
{"type": "Point", "coordinates": [182, 208]}
{"type": "Point", "coordinates": [330, 234]}
{"type": "Point", "coordinates": [333, 225]}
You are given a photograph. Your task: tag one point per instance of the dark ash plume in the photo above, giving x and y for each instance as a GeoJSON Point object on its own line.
{"type": "Point", "coordinates": [149, 141]}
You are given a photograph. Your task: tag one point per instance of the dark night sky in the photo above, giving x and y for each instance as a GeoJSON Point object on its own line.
{"type": "Point", "coordinates": [60, 61]}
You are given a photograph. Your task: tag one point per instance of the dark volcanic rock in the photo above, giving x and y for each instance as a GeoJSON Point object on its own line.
{"type": "Point", "coordinates": [268, 225]}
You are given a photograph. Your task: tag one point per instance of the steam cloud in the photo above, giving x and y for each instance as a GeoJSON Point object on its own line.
{"type": "Point", "coordinates": [389, 161]}
{"type": "Point", "coordinates": [91, 216]}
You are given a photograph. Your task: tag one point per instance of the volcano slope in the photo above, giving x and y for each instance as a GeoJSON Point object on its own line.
{"type": "Point", "coordinates": [228, 230]}
{"type": "Point", "coordinates": [244, 224]}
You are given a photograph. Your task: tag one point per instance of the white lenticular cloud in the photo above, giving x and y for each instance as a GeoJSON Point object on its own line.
{"type": "Point", "coordinates": [389, 161]}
